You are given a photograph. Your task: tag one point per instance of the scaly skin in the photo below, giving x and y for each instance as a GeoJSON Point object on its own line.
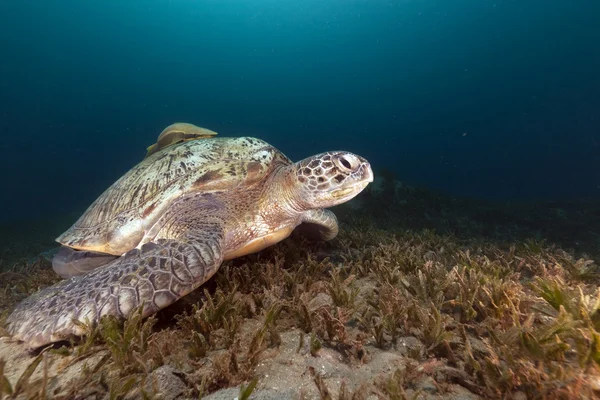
{"type": "Point", "coordinates": [156, 275]}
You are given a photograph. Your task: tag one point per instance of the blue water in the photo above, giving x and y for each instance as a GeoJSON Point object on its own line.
{"type": "Point", "coordinates": [490, 99]}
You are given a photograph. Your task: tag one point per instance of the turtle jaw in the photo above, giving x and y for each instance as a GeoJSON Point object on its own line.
{"type": "Point", "coordinates": [348, 193]}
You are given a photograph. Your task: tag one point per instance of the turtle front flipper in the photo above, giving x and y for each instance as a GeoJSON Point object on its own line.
{"type": "Point", "coordinates": [156, 276]}
{"type": "Point", "coordinates": [320, 224]}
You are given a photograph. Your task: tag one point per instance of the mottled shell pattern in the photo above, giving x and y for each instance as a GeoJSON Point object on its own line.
{"type": "Point", "coordinates": [120, 218]}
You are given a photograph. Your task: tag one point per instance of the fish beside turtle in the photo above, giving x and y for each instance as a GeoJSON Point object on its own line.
{"type": "Point", "coordinates": [164, 228]}
{"type": "Point", "coordinates": [177, 133]}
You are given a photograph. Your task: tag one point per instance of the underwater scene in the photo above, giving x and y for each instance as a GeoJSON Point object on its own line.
{"type": "Point", "coordinates": [316, 199]}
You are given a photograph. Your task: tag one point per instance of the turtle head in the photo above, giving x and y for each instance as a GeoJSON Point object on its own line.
{"type": "Point", "coordinates": [327, 179]}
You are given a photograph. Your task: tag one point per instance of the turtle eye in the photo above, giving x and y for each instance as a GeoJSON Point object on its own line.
{"type": "Point", "coordinates": [347, 162]}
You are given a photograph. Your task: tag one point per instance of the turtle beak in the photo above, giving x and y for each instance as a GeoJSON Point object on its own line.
{"type": "Point", "coordinates": [364, 173]}
{"type": "Point", "coordinates": [368, 172]}
{"type": "Point", "coordinates": [362, 177]}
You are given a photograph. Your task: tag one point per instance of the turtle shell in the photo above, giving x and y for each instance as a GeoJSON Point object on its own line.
{"type": "Point", "coordinates": [118, 220]}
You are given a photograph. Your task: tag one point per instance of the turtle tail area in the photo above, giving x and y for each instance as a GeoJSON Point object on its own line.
{"type": "Point", "coordinates": [152, 278]}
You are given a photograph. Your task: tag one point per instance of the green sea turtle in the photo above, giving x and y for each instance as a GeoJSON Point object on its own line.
{"type": "Point", "coordinates": [168, 224]}
{"type": "Point", "coordinates": [177, 133]}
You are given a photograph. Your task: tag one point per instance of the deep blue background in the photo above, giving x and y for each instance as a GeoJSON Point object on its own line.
{"type": "Point", "coordinates": [492, 99]}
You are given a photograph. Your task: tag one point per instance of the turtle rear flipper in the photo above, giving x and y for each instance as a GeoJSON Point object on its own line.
{"type": "Point", "coordinates": [154, 276]}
